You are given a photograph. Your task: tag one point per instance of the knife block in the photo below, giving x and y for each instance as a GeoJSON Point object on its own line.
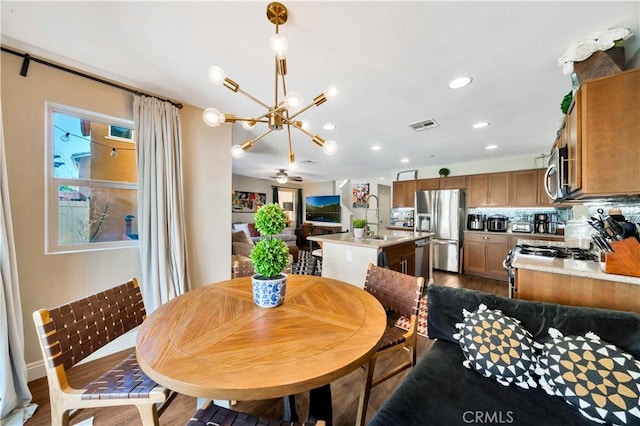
{"type": "Point", "coordinates": [625, 259]}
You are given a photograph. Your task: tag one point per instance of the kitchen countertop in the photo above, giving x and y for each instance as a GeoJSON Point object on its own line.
{"type": "Point", "coordinates": [577, 268]}
{"type": "Point", "coordinates": [386, 238]}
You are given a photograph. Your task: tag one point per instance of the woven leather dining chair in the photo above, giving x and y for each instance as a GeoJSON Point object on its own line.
{"type": "Point", "coordinates": [215, 415]}
{"type": "Point", "coordinates": [71, 332]}
{"type": "Point", "coordinates": [400, 295]}
{"type": "Point", "coordinates": [244, 268]}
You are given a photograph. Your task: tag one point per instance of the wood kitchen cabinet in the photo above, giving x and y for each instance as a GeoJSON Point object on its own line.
{"type": "Point", "coordinates": [455, 182]}
{"type": "Point", "coordinates": [604, 132]}
{"type": "Point", "coordinates": [402, 257]}
{"type": "Point", "coordinates": [524, 188]}
{"type": "Point", "coordinates": [527, 189]}
{"type": "Point", "coordinates": [404, 193]}
{"type": "Point", "coordinates": [576, 291]}
{"type": "Point", "coordinates": [484, 253]}
{"type": "Point", "coordinates": [543, 198]}
{"type": "Point", "coordinates": [488, 190]}
{"type": "Point", "coordinates": [427, 184]}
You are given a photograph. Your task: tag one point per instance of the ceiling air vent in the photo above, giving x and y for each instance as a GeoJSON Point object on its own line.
{"type": "Point", "coordinates": [419, 126]}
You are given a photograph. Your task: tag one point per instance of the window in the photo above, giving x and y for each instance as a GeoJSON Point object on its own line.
{"type": "Point", "coordinates": [91, 183]}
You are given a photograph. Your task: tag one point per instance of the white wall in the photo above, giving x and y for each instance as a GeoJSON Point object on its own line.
{"type": "Point", "coordinates": [51, 280]}
{"type": "Point", "coordinates": [522, 162]}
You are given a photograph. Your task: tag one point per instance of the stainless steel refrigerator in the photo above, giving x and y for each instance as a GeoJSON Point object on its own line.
{"type": "Point", "coordinates": [442, 212]}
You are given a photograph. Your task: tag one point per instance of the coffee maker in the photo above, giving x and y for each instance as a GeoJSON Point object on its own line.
{"type": "Point", "coordinates": [541, 223]}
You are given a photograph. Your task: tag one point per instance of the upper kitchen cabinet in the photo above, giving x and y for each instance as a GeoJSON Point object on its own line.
{"type": "Point", "coordinates": [427, 184]}
{"type": "Point", "coordinates": [604, 132]}
{"type": "Point", "coordinates": [404, 193]}
{"type": "Point", "coordinates": [488, 190]}
{"type": "Point", "coordinates": [543, 198]}
{"type": "Point", "coordinates": [527, 189]}
{"type": "Point", "coordinates": [455, 182]}
{"type": "Point", "coordinates": [524, 188]}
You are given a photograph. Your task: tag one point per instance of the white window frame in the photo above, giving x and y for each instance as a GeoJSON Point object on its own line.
{"type": "Point", "coordinates": [52, 183]}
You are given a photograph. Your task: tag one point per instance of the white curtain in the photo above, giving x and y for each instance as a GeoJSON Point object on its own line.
{"type": "Point", "coordinates": [161, 226]}
{"type": "Point", "coordinates": [15, 398]}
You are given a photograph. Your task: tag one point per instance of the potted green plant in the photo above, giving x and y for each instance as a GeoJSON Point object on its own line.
{"type": "Point", "coordinates": [269, 257]}
{"type": "Point", "coordinates": [443, 172]}
{"type": "Point", "coordinates": [358, 227]}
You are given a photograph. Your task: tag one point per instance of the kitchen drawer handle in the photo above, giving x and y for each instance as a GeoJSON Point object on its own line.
{"type": "Point", "coordinates": [485, 238]}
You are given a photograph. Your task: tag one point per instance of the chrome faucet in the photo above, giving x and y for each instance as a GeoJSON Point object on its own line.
{"type": "Point", "coordinates": [367, 231]}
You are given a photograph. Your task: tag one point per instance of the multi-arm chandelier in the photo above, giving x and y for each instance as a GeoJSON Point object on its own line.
{"type": "Point", "coordinates": [284, 111]}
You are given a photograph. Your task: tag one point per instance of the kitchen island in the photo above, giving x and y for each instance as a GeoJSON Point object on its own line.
{"type": "Point", "coordinates": [573, 282]}
{"type": "Point", "coordinates": [346, 258]}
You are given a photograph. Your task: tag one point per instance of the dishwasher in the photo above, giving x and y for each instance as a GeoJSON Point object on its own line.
{"type": "Point", "coordinates": [422, 259]}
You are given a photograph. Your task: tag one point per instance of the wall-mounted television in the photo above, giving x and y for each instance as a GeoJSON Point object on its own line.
{"type": "Point", "coordinates": [323, 208]}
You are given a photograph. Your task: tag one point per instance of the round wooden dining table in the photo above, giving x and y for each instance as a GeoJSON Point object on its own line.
{"type": "Point", "coordinates": [215, 343]}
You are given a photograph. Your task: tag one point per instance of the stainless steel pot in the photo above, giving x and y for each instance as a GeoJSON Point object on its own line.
{"type": "Point", "coordinates": [475, 222]}
{"type": "Point", "coordinates": [497, 223]}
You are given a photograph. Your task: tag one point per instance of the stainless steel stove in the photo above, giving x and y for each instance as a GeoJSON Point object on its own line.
{"type": "Point", "coordinates": [557, 252]}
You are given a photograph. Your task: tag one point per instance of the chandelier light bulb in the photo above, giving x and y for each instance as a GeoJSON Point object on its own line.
{"type": "Point", "coordinates": [216, 75]}
{"type": "Point", "coordinates": [293, 166]}
{"type": "Point", "coordinates": [306, 124]}
{"type": "Point", "coordinates": [293, 100]}
{"type": "Point", "coordinates": [113, 152]}
{"type": "Point", "coordinates": [248, 125]}
{"type": "Point", "coordinates": [65, 137]}
{"type": "Point", "coordinates": [237, 151]}
{"type": "Point", "coordinates": [212, 117]}
{"type": "Point", "coordinates": [329, 148]}
{"type": "Point", "coordinates": [331, 91]}
{"type": "Point", "coordinates": [278, 44]}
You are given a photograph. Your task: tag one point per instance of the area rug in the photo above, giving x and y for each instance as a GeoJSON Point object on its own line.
{"type": "Point", "coordinates": [403, 322]}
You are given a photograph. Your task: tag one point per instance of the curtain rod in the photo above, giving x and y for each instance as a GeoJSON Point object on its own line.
{"type": "Point", "coordinates": [27, 58]}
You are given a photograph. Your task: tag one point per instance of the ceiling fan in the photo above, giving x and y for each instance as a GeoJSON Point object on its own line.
{"type": "Point", "coordinates": [283, 177]}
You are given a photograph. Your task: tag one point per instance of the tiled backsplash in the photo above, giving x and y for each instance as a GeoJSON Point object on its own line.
{"type": "Point", "coordinates": [523, 214]}
{"type": "Point", "coordinates": [631, 212]}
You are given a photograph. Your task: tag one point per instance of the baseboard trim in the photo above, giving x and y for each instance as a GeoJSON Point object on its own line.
{"type": "Point", "coordinates": [37, 370]}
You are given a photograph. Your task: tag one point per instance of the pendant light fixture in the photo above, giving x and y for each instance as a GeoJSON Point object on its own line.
{"type": "Point", "coordinates": [287, 105]}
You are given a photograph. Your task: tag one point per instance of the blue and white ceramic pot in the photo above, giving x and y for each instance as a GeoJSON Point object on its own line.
{"type": "Point", "coordinates": [269, 293]}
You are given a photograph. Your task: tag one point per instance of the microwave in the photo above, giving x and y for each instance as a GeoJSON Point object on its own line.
{"type": "Point", "coordinates": [556, 178]}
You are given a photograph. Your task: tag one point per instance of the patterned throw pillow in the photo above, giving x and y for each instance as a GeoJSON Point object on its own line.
{"type": "Point", "coordinates": [498, 347]}
{"type": "Point", "coordinates": [598, 378]}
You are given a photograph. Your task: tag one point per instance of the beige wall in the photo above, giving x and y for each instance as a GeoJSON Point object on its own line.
{"type": "Point", "coordinates": [249, 184]}
{"type": "Point", "coordinates": [50, 280]}
{"type": "Point", "coordinates": [207, 182]}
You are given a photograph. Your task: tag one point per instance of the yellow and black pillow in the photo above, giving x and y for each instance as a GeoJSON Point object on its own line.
{"type": "Point", "coordinates": [498, 347]}
{"type": "Point", "coordinates": [598, 378]}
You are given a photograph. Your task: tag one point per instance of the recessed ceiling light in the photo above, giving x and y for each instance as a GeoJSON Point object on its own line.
{"type": "Point", "coordinates": [480, 125]}
{"type": "Point", "coordinates": [381, 178]}
{"type": "Point", "coordinates": [329, 126]}
{"type": "Point", "coordinates": [376, 148]}
{"type": "Point", "coordinates": [404, 160]}
{"type": "Point", "coordinates": [460, 82]}
{"type": "Point", "coordinates": [491, 147]}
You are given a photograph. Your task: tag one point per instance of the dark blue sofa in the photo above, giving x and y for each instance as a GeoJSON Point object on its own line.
{"type": "Point", "coordinates": [440, 391]}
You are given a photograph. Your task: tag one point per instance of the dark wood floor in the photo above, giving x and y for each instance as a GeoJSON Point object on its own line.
{"type": "Point", "coordinates": [344, 391]}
